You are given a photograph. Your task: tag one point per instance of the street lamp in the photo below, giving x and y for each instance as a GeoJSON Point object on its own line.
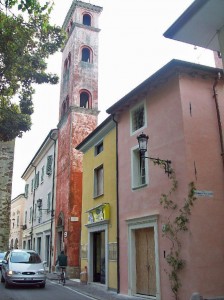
{"type": "Point", "coordinates": [143, 143]}
{"type": "Point", "coordinates": [39, 205]}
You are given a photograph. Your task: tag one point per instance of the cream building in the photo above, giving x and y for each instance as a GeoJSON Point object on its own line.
{"type": "Point", "coordinates": [17, 226]}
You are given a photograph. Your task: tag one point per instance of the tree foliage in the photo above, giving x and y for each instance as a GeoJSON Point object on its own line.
{"type": "Point", "coordinates": [27, 40]}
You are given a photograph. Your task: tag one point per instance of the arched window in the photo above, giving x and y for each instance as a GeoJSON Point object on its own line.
{"type": "Point", "coordinates": [86, 20]}
{"type": "Point", "coordinates": [85, 100]}
{"type": "Point", "coordinates": [65, 106]}
{"type": "Point", "coordinates": [86, 54]}
{"type": "Point", "coordinates": [66, 65]}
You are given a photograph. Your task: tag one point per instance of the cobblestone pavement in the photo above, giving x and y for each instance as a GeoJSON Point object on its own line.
{"type": "Point", "coordinates": [95, 291]}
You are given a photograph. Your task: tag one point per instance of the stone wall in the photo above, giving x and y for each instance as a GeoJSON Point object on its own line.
{"type": "Point", "coordinates": [6, 170]}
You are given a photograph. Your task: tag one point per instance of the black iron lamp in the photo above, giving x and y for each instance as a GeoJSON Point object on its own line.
{"type": "Point", "coordinates": [39, 205]}
{"type": "Point", "coordinates": [143, 143]}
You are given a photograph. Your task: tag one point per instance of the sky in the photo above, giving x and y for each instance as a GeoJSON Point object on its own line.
{"type": "Point", "coordinates": [131, 48]}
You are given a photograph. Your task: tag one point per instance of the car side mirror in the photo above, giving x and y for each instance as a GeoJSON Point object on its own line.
{"type": "Point", "coordinates": [4, 261]}
{"type": "Point", "coordinates": [44, 262]}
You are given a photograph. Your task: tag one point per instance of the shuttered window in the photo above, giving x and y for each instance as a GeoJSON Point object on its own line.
{"type": "Point", "coordinates": [26, 190]}
{"type": "Point", "coordinates": [49, 165]}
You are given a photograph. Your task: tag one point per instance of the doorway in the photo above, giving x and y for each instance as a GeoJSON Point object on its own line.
{"type": "Point", "coordinates": [99, 257]}
{"type": "Point", "coordinates": [145, 262]}
{"type": "Point", "coordinates": [143, 259]}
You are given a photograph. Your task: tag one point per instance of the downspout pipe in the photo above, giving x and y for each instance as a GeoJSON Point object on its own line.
{"type": "Point", "coordinates": [34, 189]}
{"type": "Point", "coordinates": [117, 196]}
{"type": "Point", "coordinates": [52, 200]}
{"type": "Point", "coordinates": [219, 117]}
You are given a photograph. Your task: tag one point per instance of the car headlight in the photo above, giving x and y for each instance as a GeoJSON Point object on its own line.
{"type": "Point", "coordinates": [41, 272]}
{"type": "Point", "coordinates": [11, 272]}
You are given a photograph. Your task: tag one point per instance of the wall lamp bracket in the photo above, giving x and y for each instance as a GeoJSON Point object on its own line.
{"type": "Point", "coordinates": [39, 205]}
{"type": "Point", "coordinates": [143, 144]}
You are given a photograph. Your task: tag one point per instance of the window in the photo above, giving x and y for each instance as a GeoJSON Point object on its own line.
{"type": "Point", "coordinates": [65, 106]}
{"type": "Point", "coordinates": [139, 170]}
{"type": "Point", "coordinates": [17, 221]}
{"type": "Point", "coordinates": [84, 100]}
{"type": "Point", "coordinates": [98, 148]}
{"type": "Point", "coordinates": [86, 55]}
{"type": "Point", "coordinates": [49, 165]}
{"type": "Point", "coordinates": [35, 212]}
{"type": "Point", "coordinates": [138, 117]}
{"type": "Point", "coordinates": [48, 202]}
{"type": "Point", "coordinates": [42, 174]}
{"type": "Point", "coordinates": [37, 179]}
{"type": "Point", "coordinates": [26, 190]}
{"type": "Point", "coordinates": [32, 185]}
{"type": "Point", "coordinates": [86, 20]}
{"type": "Point", "coordinates": [67, 63]}
{"type": "Point", "coordinates": [98, 181]}
{"type": "Point", "coordinates": [30, 217]}
{"type": "Point", "coordinates": [25, 218]}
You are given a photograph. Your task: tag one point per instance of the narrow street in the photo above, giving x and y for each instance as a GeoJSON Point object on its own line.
{"type": "Point", "coordinates": [52, 291]}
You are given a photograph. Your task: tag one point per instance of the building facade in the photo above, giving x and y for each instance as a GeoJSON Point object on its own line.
{"type": "Point", "coordinates": [16, 230]}
{"type": "Point", "coordinates": [181, 109]}
{"type": "Point", "coordinates": [39, 208]}
{"type": "Point", "coordinates": [99, 206]}
{"type": "Point", "coordinates": [78, 113]}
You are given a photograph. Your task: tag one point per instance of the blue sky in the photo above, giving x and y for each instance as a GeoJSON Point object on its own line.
{"type": "Point", "coordinates": [131, 48]}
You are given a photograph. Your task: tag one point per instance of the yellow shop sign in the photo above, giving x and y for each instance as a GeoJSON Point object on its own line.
{"type": "Point", "coordinates": [99, 213]}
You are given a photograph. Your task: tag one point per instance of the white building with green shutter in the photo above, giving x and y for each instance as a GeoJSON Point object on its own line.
{"type": "Point", "coordinates": [39, 176]}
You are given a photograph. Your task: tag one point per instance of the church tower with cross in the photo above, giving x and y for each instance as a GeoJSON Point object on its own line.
{"type": "Point", "coordinates": [78, 114]}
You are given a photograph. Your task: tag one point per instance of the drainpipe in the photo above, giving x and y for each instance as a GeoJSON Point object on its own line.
{"type": "Point", "coordinates": [34, 189]}
{"type": "Point", "coordinates": [218, 117]}
{"type": "Point", "coordinates": [52, 199]}
{"type": "Point", "coordinates": [118, 227]}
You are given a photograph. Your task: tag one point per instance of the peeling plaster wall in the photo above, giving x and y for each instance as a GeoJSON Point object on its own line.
{"type": "Point", "coordinates": [74, 126]}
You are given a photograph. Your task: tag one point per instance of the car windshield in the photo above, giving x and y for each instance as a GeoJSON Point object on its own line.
{"type": "Point", "coordinates": [25, 257]}
{"type": "Point", "coordinates": [2, 255]}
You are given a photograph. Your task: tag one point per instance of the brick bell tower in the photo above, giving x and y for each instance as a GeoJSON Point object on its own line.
{"type": "Point", "coordinates": [78, 113]}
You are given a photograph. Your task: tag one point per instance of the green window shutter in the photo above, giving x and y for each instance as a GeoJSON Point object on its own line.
{"type": "Point", "coordinates": [42, 174]}
{"type": "Point", "coordinates": [32, 185]}
{"type": "Point", "coordinates": [26, 190]}
{"type": "Point", "coordinates": [37, 180]}
{"type": "Point", "coordinates": [49, 165]}
{"type": "Point", "coordinates": [48, 202]}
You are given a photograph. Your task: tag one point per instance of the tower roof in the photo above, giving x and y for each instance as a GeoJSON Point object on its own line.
{"type": "Point", "coordinates": [81, 4]}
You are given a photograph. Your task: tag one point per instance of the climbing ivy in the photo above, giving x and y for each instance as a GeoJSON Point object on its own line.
{"type": "Point", "coordinates": [177, 222]}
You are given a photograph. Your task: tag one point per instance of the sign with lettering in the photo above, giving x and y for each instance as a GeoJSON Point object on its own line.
{"type": "Point", "coordinates": [203, 193]}
{"type": "Point", "coordinates": [99, 213]}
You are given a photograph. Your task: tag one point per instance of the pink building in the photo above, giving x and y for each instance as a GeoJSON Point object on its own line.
{"type": "Point", "coordinates": [181, 109]}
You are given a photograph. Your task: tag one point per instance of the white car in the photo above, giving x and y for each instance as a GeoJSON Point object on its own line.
{"type": "Point", "coordinates": [23, 267]}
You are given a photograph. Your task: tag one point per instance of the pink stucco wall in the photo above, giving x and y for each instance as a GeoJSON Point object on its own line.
{"type": "Point", "coordinates": [182, 126]}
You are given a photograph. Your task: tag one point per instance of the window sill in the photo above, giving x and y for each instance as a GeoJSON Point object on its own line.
{"type": "Point", "coordinates": [139, 187]}
{"type": "Point", "coordinates": [97, 196]}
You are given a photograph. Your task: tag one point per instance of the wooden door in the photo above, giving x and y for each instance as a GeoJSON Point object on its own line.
{"type": "Point", "coordinates": [145, 262]}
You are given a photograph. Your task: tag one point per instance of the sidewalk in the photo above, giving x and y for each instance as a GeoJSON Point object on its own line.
{"type": "Point", "coordinates": [97, 292]}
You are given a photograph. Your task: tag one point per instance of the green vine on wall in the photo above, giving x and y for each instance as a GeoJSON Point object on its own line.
{"type": "Point", "coordinates": [177, 222]}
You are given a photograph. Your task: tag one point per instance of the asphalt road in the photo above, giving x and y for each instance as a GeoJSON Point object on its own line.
{"type": "Point", "coordinates": [52, 291]}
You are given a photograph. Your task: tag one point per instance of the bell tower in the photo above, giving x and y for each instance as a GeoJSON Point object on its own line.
{"type": "Point", "coordinates": [78, 113]}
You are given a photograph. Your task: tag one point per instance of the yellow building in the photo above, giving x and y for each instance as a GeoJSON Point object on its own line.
{"type": "Point", "coordinates": [99, 206]}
